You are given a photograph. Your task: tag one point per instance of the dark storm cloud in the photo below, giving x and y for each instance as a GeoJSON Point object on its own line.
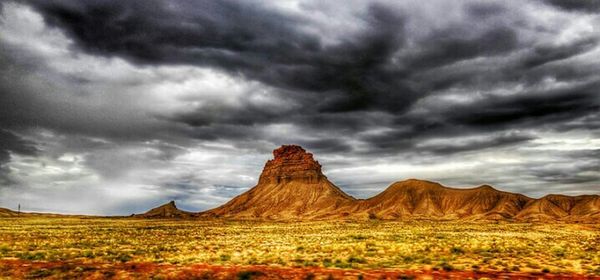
{"type": "Point", "coordinates": [245, 115]}
{"type": "Point", "coordinates": [541, 55]}
{"type": "Point", "coordinates": [355, 74]}
{"type": "Point", "coordinates": [158, 31]}
{"type": "Point", "coordinates": [576, 5]}
{"type": "Point", "coordinates": [11, 143]}
{"type": "Point", "coordinates": [414, 141]}
{"type": "Point", "coordinates": [531, 108]}
{"type": "Point", "coordinates": [484, 10]}
{"type": "Point", "coordinates": [551, 110]}
{"type": "Point", "coordinates": [362, 72]}
{"type": "Point", "coordinates": [532, 65]}
{"type": "Point", "coordinates": [326, 145]}
{"type": "Point", "coordinates": [126, 89]}
{"type": "Point", "coordinates": [474, 145]}
{"type": "Point", "coordinates": [449, 46]}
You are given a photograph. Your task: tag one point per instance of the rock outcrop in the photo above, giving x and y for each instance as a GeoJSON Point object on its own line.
{"type": "Point", "coordinates": [168, 210]}
{"type": "Point", "coordinates": [291, 163]}
{"type": "Point", "coordinates": [291, 186]}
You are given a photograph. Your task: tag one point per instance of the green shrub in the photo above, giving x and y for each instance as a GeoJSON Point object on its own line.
{"type": "Point", "coordinates": [224, 257]}
{"type": "Point", "coordinates": [124, 257]}
{"type": "Point", "coordinates": [558, 252]}
{"type": "Point", "coordinates": [39, 273]}
{"type": "Point", "coordinates": [355, 259]}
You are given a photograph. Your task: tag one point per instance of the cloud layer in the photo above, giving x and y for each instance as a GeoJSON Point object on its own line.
{"type": "Point", "coordinates": [110, 107]}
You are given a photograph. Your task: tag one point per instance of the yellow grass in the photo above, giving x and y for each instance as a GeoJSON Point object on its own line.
{"type": "Point", "coordinates": [411, 245]}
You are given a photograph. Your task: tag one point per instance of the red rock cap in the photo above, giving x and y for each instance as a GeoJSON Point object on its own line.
{"type": "Point", "coordinates": [291, 162]}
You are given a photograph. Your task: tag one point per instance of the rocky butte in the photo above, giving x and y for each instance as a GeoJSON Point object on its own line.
{"type": "Point", "coordinates": [293, 187]}
{"type": "Point", "coordinates": [291, 163]}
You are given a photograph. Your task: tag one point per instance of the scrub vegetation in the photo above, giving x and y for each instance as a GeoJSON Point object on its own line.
{"type": "Point", "coordinates": [86, 243]}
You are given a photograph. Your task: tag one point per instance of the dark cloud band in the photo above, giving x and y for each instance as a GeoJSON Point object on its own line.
{"type": "Point", "coordinates": [376, 81]}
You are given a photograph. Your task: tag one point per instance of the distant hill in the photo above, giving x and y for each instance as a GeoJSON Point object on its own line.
{"type": "Point", "coordinates": [168, 210]}
{"type": "Point", "coordinates": [4, 212]}
{"type": "Point", "coordinates": [583, 208]}
{"type": "Point", "coordinates": [412, 199]}
{"type": "Point", "coordinates": [292, 186]}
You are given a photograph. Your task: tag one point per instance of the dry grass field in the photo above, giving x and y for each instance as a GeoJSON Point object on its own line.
{"type": "Point", "coordinates": [160, 249]}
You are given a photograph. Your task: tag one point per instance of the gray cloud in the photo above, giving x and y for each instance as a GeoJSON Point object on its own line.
{"type": "Point", "coordinates": [142, 101]}
{"type": "Point", "coordinates": [534, 108]}
{"type": "Point", "coordinates": [576, 5]}
{"type": "Point", "coordinates": [474, 145]}
{"type": "Point", "coordinates": [11, 143]}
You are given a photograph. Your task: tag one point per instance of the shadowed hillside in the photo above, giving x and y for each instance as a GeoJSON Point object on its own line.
{"type": "Point", "coordinates": [428, 200]}
{"type": "Point", "coordinates": [168, 210]}
{"type": "Point", "coordinates": [561, 207]}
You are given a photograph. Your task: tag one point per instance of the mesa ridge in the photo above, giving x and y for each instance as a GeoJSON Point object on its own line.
{"type": "Point", "coordinates": [293, 187]}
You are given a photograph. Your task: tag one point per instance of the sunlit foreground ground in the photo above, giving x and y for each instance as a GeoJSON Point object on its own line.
{"type": "Point", "coordinates": [163, 249]}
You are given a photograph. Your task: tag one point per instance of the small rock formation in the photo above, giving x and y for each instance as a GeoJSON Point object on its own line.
{"type": "Point", "coordinates": [168, 210]}
{"type": "Point", "coordinates": [291, 162]}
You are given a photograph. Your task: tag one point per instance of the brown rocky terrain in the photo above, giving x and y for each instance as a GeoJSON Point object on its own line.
{"type": "Point", "coordinates": [168, 210]}
{"type": "Point", "coordinates": [561, 207]}
{"type": "Point", "coordinates": [291, 186]}
{"type": "Point", "coordinates": [428, 200]}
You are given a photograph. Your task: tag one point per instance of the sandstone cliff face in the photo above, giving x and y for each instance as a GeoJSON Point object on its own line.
{"type": "Point", "coordinates": [291, 163]}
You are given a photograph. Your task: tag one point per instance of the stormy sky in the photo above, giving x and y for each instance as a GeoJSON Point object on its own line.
{"type": "Point", "coordinates": [113, 107]}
